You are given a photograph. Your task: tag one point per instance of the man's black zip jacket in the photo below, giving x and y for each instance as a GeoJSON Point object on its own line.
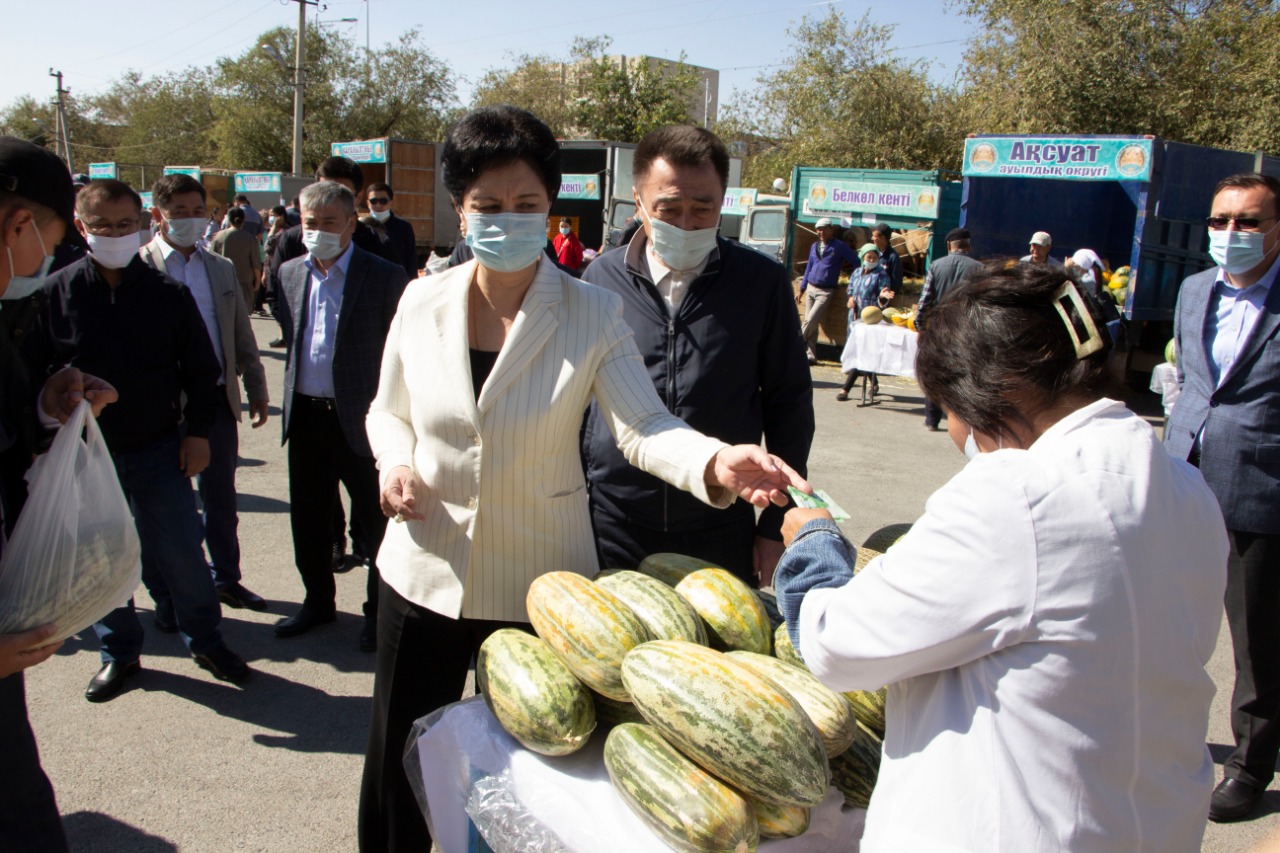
{"type": "Point", "coordinates": [145, 337]}
{"type": "Point", "coordinates": [730, 363]}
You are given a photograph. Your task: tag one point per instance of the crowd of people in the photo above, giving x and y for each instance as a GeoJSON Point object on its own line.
{"type": "Point", "coordinates": [518, 413]}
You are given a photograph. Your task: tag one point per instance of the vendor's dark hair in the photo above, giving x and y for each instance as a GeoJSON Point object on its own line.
{"type": "Point", "coordinates": [681, 145]}
{"type": "Point", "coordinates": [997, 352]}
{"type": "Point", "coordinates": [490, 137]}
{"type": "Point", "coordinates": [235, 216]}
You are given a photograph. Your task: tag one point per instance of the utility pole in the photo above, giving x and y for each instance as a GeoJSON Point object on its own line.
{"type": "Point", "coordinates": [299, 81]}
{"type": "Point", "coordinates": [62, 135]}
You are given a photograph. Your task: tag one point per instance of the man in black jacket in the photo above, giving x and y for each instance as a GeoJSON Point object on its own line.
{"type": "Point", "coordinates": [114, 316]}
{"type": "Point", "coordinates": [718, 329]}
{"type": "Point", "coordinates": [400, 246]}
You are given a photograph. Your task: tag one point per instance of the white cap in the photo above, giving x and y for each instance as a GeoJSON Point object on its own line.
{"type": "Point", "coordinates": [824, 222]}
{"type": "Point", "coordinates": [1041, 238]}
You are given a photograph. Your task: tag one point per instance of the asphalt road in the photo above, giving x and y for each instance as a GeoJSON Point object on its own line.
{"type": "Point", "coordinates": [181, 762]}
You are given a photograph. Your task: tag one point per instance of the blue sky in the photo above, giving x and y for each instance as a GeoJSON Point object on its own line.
{"type": "Point", "coordinates": [93, 42]}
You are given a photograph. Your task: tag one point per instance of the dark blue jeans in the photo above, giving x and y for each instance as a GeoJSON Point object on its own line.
{"type": "Point", "coordinates": [217, 486]}
{"type": "Point", "coordinates": [169, 530]}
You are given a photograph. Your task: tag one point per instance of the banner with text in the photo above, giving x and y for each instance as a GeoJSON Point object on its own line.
{"type": "Point", "coordinates": [102, 171]}
{"type": "Point", "coordinates": [1066, 158]}
{"type": "Point", "coordinates": [369, 151]}
{"type": "Point", "coordinates": [579, 187]}
{"type": "Point", "coordinates": [146, 200]}
{"type": "Point", "coordinates": [737, 200]}
{"type": "Point", "coordinates": [257, 182]}
{"type": "Point", "coordinates": [822, 197]}
{"type": "Point", "coordinates": [193, 171]}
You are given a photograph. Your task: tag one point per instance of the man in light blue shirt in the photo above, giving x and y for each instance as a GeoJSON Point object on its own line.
{"type": "Point", "coordinates": [1226, 421]}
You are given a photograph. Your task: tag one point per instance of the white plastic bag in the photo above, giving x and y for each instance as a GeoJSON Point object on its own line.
{"type": "Point", "coordinates": [74, 556]}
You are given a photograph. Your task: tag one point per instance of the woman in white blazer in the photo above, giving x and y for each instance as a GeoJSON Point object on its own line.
{"type": "Point", "coordinates": [1044, 626]}
{"type": "Point", "coordinates": [487, 372]}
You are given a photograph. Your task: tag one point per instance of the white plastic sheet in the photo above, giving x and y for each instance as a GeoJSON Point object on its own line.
{"type": "Point", "coordinates": [475, 781]}
{"type": "Point", "coordinates": [883, 348]}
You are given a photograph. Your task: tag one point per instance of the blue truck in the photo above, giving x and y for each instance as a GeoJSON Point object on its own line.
{"type": "Point", "coordinates": [1138, 201]}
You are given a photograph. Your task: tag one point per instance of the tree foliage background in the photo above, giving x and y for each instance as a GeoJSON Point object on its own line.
{"type": "Point", "coordinates": [1198, 71]}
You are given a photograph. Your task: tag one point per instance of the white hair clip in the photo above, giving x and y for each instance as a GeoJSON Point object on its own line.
{"type": "Point", "coordinates": [1068, 296]}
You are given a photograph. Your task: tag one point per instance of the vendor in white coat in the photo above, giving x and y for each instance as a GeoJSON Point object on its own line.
{"type": "Point", "coordinates": [487, 372]}
{"type": "Point", "coordinates": [1044, 627]}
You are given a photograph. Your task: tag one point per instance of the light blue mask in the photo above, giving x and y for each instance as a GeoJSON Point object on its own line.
{"type": "Point", "coordinates": [507, 242]}
{"type": "Point", "coordinates": [22, 286]}
{"type": "Point", "coordinates": [1238, 251]}
{"type": "Point", "coordinates": [971, 447]}
{"type": "Point", "coordinates": [185, 232]}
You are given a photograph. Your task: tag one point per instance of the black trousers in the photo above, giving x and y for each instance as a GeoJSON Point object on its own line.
{"type": "Point", "coordinates": [29, 820]}
{"type": "Point", "coordinates": [623, 544]}
{"type": "Point", "coordinates": [421, 666]}
{"type": "Point", "coordinates": [1253, 614]}
{"type": "Point", "coordinates": [932, 413]}
{"type": "Point", "coordinates": [320, 458]}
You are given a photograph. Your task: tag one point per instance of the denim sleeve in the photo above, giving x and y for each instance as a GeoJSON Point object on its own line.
{"type": "Point", "coordinates": [818, 558]}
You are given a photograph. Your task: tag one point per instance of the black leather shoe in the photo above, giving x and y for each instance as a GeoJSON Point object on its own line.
{"type": "Point", "coordinates": [224, 664]}
{"type": "Point", "coordinates": [237, 595]}
{"type": "Point", "coordinates": [165, 621]}
{"type": "Point", "coordinates": [302, 622]}
{"type": "Point", "coordinates": [278, 343]}
{"type": "Point", "coordinates": [1233, 800]}
{"type": "Point", "coordinates": [340, 564]}
{"type": "Point", "coordinates": [110, 680]}
{"type": "Point", "coordinates": [369, 635]}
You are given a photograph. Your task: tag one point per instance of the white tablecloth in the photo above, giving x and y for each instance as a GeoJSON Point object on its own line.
{"type": "Point", "coordinates": [569, 799]}
{"type": "Point", "coordinates": [884, 348]}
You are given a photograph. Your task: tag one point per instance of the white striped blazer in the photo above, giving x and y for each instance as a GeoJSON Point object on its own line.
{"type": "Point", "coordinates": [505, 497]}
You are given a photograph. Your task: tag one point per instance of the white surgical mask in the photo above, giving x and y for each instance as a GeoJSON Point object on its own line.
{"type": "Point", "coordinates": [507, 242]}
{"type": "Point", "coordinates": [380, 215]}
{"type": "Point", "coordinates": [114, 253]}
{"type": "Point", "coordinates": [1238, 251]}
{"type": "Point", "coordinates": [323, 245]}
{"type": "Point", "coordinates": [970, 447]}
{"type": "Point", "coordinates": [566, 230]}
{"type": "Point", "coordinates": [185, 232]}
{"type": "Point", "coordinates": [677, 248]}
{"type": "Point", "coordinates": [22, 286]}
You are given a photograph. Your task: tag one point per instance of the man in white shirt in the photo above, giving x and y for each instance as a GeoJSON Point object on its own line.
{"type": "Point", "coordinates": [178, 208]}
{"type": "Point", "coordinates": [1226, 421]}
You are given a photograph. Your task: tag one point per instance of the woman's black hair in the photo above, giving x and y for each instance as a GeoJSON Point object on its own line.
{"type": "Point", "coordinates": [489, 137]}
{"type": "Point", "coordinates": [998, 352]}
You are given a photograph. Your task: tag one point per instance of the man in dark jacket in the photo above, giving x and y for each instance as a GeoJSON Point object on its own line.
{"type": "Point", "coordinates": [718, 330]}
{"type": "Point", "coordinates": [114, 316]}
{"type": "Point", "coordinates": [944, 275]}
{"type": "Point", "coordinates": [396, 236]}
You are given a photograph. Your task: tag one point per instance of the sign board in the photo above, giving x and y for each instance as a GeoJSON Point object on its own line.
{"type": "Point", "coordinates": [368, 151]}
{"type": "Point", "coordinates": [193, 171]}
{"type": "Point", "coordinates": [146, 200]}
{"type": "Point", "coordinates": [838, 199]}
{"type": "Point", "coordinates": [737, 200]}
{"type": "Point", "coordinates": [257, 182]}
{"type": "Point", "coordinates": [579, 187]}
{"type": "Point", "coordinates": [100, 171]}
{"type": "Point", "coordinates": [1073, 158]}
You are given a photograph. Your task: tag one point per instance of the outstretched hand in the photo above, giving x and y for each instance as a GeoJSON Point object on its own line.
{"type": "Point", "coordinates": [759, 478]}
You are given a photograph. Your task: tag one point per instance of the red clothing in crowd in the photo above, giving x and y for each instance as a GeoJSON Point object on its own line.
{"type": "Point", "coordinates": [569, 250]}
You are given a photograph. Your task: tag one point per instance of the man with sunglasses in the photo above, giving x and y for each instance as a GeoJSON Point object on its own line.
{"type": "Point", "coordinates": [399, 244]}
{"type": "Point", "coordinates": [1227, 422]}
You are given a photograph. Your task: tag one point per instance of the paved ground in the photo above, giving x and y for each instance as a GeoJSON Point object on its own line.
{"type": "Point", "coordinates": [181, 762]}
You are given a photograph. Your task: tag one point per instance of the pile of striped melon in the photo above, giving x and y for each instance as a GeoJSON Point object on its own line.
{"type": "Point", "coordinates": [715, 742]}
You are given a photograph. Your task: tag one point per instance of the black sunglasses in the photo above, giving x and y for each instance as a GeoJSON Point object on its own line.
{"type": "Point", "coordinates": [379, 201]}
{"type": "Point", "coordinates": [1243, 223]}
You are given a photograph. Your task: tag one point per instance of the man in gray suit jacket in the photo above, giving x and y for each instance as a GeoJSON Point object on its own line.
{"type": "Point", "coordinates": [336, 306]}
{"type": "Point", "coordinates": [178, 207]}
{"type": "Point", "coordinates": [1227, 422]}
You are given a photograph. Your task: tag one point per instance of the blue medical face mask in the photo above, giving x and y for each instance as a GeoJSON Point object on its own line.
{"type": "Point", "coordinates": [507, 242]}
{"type": "Point", "coordinates": [185, 232]}
{"type": "Point", "coordinates": [970, 447]}
{"type": "Point", "coordinates": [22, 286]}
{"type": "Point", "coordinates": [1238, 251]}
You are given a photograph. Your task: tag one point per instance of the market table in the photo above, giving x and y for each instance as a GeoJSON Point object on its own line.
{"type": "Point", "coordinates": [476, 775]}
{"type": "Point", "coordinates": [881, 348]}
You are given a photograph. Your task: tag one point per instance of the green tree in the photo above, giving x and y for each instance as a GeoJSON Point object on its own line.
{"type": "Point", "coordinates": [539, 84]}
{"type": "Point", "coordinates": [842, 100]}
{"type": "Point", "coordinates": [623, 99]}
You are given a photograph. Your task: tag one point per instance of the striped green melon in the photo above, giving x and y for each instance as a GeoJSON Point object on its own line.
{"type": "Point", "coordinates": [685, 806]}
{"type": "Point", "coordinates": [886, 536]}
{"type": "Point", "coordinates": [784, 650]}
{"type": "Point", "coordinates": [854, 771]}
{"type": "Point", "coordinates": [532, 694]}
{"type": "Point", "coordinates": [734, 615]}
{"type": "Point", "coordinates": [780, 821]}
{"type": "Point", "coordinates": [733, 722]}
{"type": "Point", "coordinates": [828, 710]}
{"type": "Point", "coordinates": [769, 602]}
{"type": "Point", "coordinates": [587, 626]}
{"type": "Point", "coordinates": [662, 610]}
{"type": "Point", "coordinates": [868, 707]}
{"type": "Point", "coordinates": [865, 556]}
{"type": "Point", "coordinates": [611, 712]}
{"type": "Point", "coordinates": [672, 568]}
